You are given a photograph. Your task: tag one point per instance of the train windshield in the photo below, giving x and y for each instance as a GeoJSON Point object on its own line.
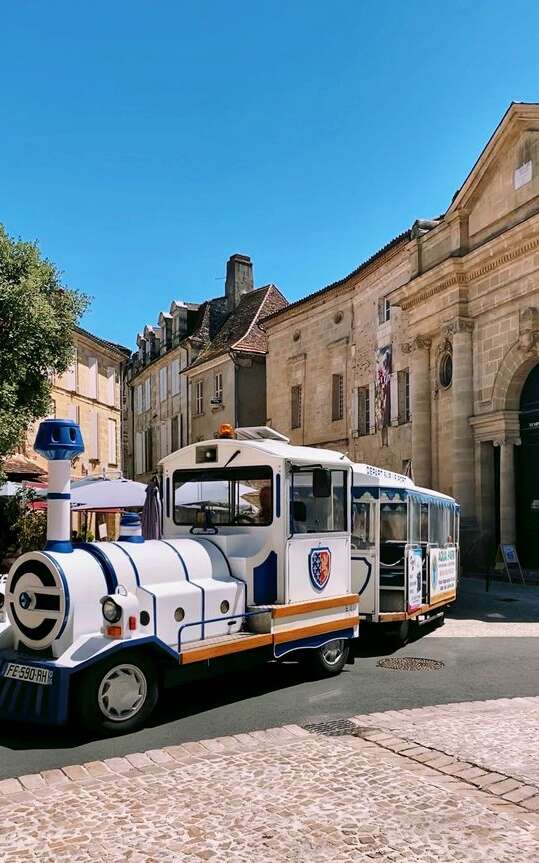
{"type": "Point", "coordinates": [231, 496]}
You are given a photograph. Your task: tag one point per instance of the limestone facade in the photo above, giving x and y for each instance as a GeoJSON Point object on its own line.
{"type": "Point", "coordinates": [89, 392]}
{"type": "Point", "coordinates": [463, 298]}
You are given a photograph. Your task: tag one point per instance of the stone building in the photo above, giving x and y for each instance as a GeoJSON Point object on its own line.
{"type": "Point", "coordinates": [227, 381]}
{"type": "Point", "coordinates": [202, 365]}
{"type": "Point", "coordinates": [89, 392]}
{"type": "Point", "coordinates": [426, 358]}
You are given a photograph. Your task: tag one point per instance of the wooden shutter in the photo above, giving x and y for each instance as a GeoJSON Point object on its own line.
{"type": "Point", "coordinates": [362, 401]}
{"type": "Point", "coordinates": [147, 394]}
{"type": "Point", "coordinates": [93, 445]}
{"type": "Point", "coordinates": [372, 403]}
{"type": "Point", "coordinates": [393, 399]}
{"type": "Point", "coordinates": [92, 377]}
{"type": "Point", "coordinates": [337, 397]}
{"type": "Point", "coordinates": [295, 407]}
{"type": "Point", "coordinates": [403, 401]}
{"type": "Point", "coordinates": [113, 458]}
{"type": "Point", "coordinates": [111, 387]}
{"type": "Point", "coordinates": [175, 374]}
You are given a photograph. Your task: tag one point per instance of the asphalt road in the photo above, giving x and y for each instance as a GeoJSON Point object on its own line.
{"type": "Point", "coordinates": [503, 663]}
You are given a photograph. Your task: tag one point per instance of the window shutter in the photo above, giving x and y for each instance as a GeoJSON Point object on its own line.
{"type": "Point", "coordinates": [174, 433]}
{"type": "Point", "coordinates": [147, 394]}
{"type": "Point", "coordinates": [295, 407]}
{"type": "Point", "coordinates": [337, 397]}
{"type": "Point", "coordinates": [355, 410]}
{"type": "Point", "coordinates": [138, 452]}
{"type": "Point", "coordinates": [362, 400]}
{"type": "Point", "coordinates": [93, 446]}
{"type": "Point", "coordinates": [112, 442]}
{"type": "Point", "coordinates": [70, 376]}
{"type": "Point", "coordinates": [175, 374]}
{"type": "Point", "coordinates": [163, 383]}
{"type": "Point", "coordinates": [393, 399]}
{"type": "Point", "coordinates": [403, 375]}
{"type": "Point", "coordinates": [92, 377]}
{"type": "Point", "coordinates": [111, 389]}
{"type": "Point", "coordinates": [138, 399]}
{"type": "Point", "coordinates": [372, 418]}
{"type": "Point", "coordinates": [163, 439]}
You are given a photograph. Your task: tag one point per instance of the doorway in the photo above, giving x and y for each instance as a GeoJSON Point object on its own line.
{"type": "Point", "coordinates": [527, 473]}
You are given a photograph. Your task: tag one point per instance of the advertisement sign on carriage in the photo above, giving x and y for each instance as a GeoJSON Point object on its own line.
{"type": "Point", "coordinates": [415, 571]}
{"type": "Point", "coordinates": [443, 571]}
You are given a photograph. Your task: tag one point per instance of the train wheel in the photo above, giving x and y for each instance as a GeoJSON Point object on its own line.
{"type": "Point", "coordinates": [399, 634]}
{"type": "Point", "coordinates": [118, 695]}
{"type": "Point", "coordinates": [329, 659]}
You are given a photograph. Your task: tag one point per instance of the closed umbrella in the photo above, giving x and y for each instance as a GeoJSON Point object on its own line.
{"type": "Point", "coordinates": [151, 512]}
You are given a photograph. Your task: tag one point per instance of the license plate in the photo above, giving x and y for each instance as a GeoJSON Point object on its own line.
{"type": "Point", "coordinates": [29, 673]}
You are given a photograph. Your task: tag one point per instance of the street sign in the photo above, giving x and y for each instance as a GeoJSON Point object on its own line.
{"type": "Point", "coordinates": [507, 558]}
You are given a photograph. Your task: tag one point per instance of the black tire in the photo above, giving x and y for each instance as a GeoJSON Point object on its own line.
{"type": "Point", "coordinates": [324, 661]}
{"type": "Point", "coordinates": [399, 634]}
{"type": "Point", "coordinates": [94, 707]}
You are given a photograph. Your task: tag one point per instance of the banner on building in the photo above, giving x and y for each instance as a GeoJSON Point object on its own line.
{"type": "Point", "coordinates": [415, 577]}
{"type": "Point", "coordinates": [383, 387]}
{"type": "Point", "coordinates": [443, 571]}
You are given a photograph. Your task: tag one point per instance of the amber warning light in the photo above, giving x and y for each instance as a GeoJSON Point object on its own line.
{"type": "Point", "coordinates": [225, 431]}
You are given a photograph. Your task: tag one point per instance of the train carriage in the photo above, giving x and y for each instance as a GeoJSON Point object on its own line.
{"type": "Point", "coordinates": [404, 550]}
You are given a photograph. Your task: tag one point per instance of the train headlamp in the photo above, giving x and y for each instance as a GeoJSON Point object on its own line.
{"type": "Point", "coordinates": [112, 612]}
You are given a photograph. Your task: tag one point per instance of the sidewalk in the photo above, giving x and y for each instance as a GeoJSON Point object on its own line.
{"type": "Point", "coordinates": [450, 783]}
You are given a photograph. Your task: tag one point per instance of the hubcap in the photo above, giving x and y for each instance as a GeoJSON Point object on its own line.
{"type": "Point", "coordinates": [333, 651]}
{"type": "Point", "coordinates": [122, 692]}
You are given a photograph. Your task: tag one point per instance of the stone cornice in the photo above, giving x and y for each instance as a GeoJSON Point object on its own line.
{"type": "Point", "coordinates": [461, 278]}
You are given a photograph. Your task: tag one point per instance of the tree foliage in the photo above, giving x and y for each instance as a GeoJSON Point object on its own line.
{"type": "Point", "coordinates": [37, 316]}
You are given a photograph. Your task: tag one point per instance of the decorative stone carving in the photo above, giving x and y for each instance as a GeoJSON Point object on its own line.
{"type": "Point", "coordinates": [420, 343]}
{"type": "Point", "coordinates": [457, 325]}
{"type": "Point", "coordinates": [528, 339]}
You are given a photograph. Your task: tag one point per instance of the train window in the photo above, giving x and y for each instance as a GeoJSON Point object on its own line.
{"type": "Point", "coordinates": [424, 522]}
{"type": "Point", "coordinates": [362, 525]}
{"type": "Point", "coordinates": [441, 524]}
{"type": "Point", "coordinates": [235, 496]}
{"type": "Point", "coordinates": [393, 522]}
{"type": "Point", "coordinates": [322, 514]}
{"type": "Point", "coordinates": [414, 508]}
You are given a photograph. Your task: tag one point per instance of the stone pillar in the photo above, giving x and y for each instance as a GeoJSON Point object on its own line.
{"type": "Point", "coordinates": [421, 410]}
{"type": "Point", "coordinates": [463, 441]}
{"type": "Point", "coordinates": [507, 490]}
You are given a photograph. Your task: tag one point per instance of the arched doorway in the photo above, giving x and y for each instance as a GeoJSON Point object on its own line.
{"type": "Point", "coordinates": [527, 475]}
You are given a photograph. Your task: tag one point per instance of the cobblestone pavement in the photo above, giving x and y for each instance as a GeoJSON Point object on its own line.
{"type": "Point", "coordinates": [287, 795]}
{"type": "Point", "coordinates": [501, 735]}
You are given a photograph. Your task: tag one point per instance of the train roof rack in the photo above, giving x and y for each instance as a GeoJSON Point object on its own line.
{"type": "Point", "coordinates": [260, 433]}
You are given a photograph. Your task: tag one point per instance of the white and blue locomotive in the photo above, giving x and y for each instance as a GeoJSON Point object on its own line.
{"type": "Point", "coordinates": [255, 560]}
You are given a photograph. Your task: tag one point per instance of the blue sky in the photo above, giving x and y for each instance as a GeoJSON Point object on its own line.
{"type": "Point", "coordinates": [143, 143]}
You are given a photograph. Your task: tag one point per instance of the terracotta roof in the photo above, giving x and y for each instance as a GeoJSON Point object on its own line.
{"type": "Point", "coordinates": [400, 238]}
{"type": "Point", "coordinates": [20, 465]}
{"type": "Point", "coordinates": [241, 330]}
{"type": "Point", "coordinates": [111, 345]}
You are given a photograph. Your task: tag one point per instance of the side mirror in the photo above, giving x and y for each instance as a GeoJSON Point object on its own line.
{"type": "Point", "coordinates": [321, 482]}
{"type": "Point", "coordinates": [299, 511]}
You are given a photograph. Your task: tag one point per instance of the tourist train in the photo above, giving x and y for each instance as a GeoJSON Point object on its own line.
{"type": "Point", "coordinates": [269, 551]}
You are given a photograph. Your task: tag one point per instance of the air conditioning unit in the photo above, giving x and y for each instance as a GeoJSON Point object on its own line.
{"type": "Point", "coordinates": [215, 402]}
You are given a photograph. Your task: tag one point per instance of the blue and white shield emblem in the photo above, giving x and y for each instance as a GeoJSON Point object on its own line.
{"type": "Point", "coordinates": [319, 567]}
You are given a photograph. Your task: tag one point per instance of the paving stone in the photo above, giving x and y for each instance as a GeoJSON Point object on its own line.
{"type": "Point", "coordinates": [9, 786]}
{"type": "Point", "coordinates": [76, 772]}
{"type": "Point", "coordinates": [532, 803]}
{"type": "Point", "coordinates": [503, 787]}
{"type": "Point", "coordinates": [523, 792]}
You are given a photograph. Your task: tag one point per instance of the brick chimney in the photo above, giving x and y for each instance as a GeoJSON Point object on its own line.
{"type": "Point", "coordinates": [239, 279]}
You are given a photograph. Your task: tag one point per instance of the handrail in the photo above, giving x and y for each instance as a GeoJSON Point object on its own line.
{"type": "Point", "coordinates": [391, 565]}
{"type": "Point", "coordinates": [216, 620]}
